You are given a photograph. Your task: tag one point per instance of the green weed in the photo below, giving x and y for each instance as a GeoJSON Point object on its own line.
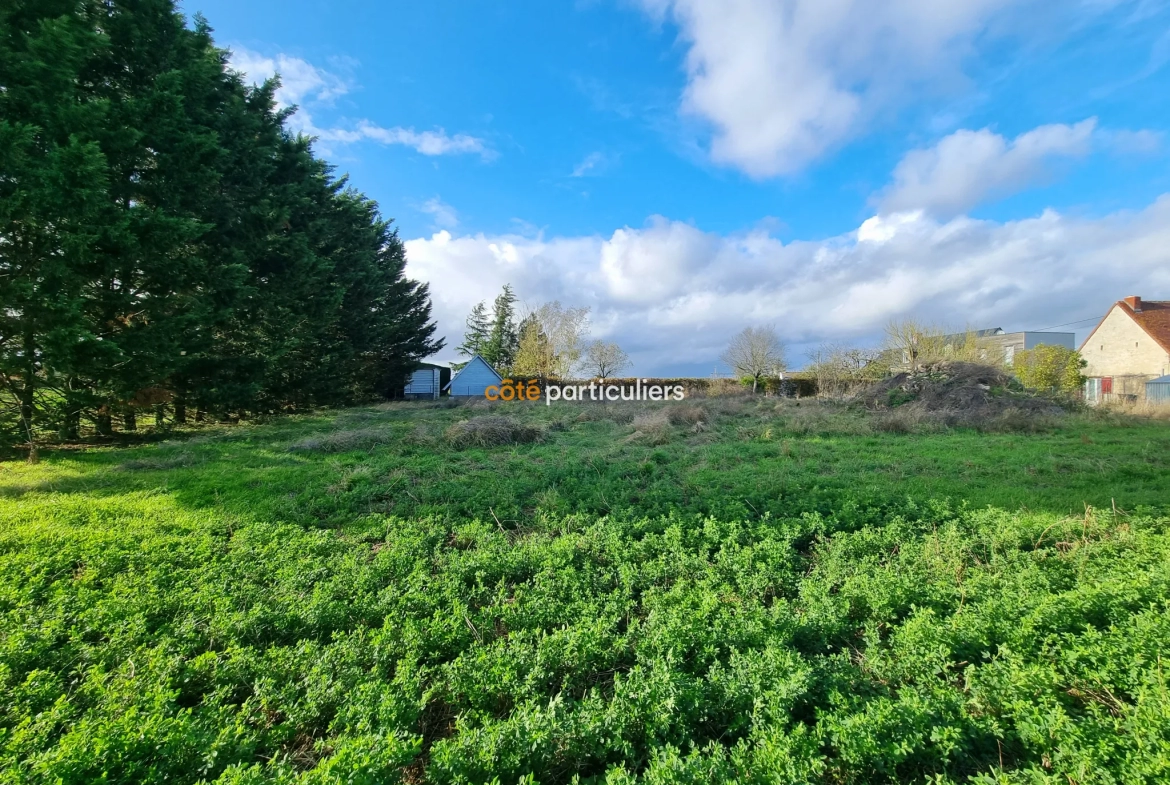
{"type": "Point", "coordinates": [801, 596]}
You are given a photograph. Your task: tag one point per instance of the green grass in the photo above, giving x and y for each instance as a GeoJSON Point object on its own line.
{"type": "Point", "coordinates": [743, 591]}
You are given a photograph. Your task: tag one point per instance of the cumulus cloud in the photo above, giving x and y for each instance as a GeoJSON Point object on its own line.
{"type": "Point", "coordinates": [299, 79]}
{"type": "Point", "coordinates": [672, 294]}
{"type": "Point", "coordinates": [967, 167]}
{"type": "Point", "coordinates": [308, 87]}
{"type": "Point", "coordinates": [781, 83]}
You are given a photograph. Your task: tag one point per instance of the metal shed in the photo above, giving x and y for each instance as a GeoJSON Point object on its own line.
{"type": "Point", "coordinates": [427, 382]}
{"type": "Point", "coordinates": [473, 379]}
{"type": "Point", "coordinates": [1158, 391]}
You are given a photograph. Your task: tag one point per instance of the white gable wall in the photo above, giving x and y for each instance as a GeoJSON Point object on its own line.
{"type": "Point", "coordinates": [1120, 347]}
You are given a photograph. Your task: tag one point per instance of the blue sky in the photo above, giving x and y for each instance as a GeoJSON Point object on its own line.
{"type": "Point", "coordinates": [686, 168]}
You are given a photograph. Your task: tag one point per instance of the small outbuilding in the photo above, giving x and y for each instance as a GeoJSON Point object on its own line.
{"type": "Point", "coordinates": [1158, 391]}
{"type": "Point", "coordinates": [473, 379]}
{"type": "Point", "coordinates": [427, 381]}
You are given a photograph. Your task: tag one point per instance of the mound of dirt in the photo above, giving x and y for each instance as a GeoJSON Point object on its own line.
{"type": "Point", "coordinates": [959, 393]}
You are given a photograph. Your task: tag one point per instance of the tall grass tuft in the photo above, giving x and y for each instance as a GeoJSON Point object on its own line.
{"type": "Point", "coordinates": [491, 431]}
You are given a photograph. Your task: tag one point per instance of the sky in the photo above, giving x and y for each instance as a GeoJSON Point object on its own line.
{"type": "Point", "coordinates": [688, 168]}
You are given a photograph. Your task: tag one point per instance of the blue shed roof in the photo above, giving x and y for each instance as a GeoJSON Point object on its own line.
{"type": "Point", "coordinates": [1160, 380]}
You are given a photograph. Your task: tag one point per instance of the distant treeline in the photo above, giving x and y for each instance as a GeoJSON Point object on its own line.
{"type": "Point", "coordinates": [166, 242]}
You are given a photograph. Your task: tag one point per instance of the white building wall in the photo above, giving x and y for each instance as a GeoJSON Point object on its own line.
{"type": "Point", "coordinates": [1120, 347]}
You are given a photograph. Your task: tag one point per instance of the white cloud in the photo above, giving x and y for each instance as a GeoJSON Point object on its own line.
{"type": "Point", "coordinates": [782, 83]}
{"type": "Point", "coordinates": [307, 87]}
{"type": "Point", "coordinates": [435, 142]}
{"type": "Point", "coordinates": [1141, 142]}
{"type": "Point", "coordinates": [672, 294]}
{"type": "Point", "coordinates": [590, 164]}
{"type": "Point", "coordinates": [299, 79]}
{"type": "Point", "coordinates": [967, 167]}
{"type": "Point", "coordinates": [444, 215]}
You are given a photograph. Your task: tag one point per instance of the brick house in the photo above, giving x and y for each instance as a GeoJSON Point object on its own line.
{"type": "Point", "coordinates": [1129, 347]}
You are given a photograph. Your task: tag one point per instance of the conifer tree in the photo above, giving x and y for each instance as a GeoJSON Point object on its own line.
{"type": "Point", "coordinates": [163, 237]}
{"type": "Point", "coordinates": [503, 339]}
{"type": "Point", "coordinates": [476, 337]}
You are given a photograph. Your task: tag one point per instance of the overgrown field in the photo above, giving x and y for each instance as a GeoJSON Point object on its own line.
{"type": "Point", "coordinates": [723, 590]}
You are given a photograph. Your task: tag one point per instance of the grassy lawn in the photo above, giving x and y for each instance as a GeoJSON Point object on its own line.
{"type": "Point", "coordinates": [711, 591]}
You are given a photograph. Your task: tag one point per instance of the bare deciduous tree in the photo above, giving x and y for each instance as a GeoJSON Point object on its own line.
{"type": "Point", "coordinates": [840, 369]}
{"type": "Point", "coordinates": [914, 342]}
{"type": "Point", "coordinates": [552, 340]}
{"type": "Point", "coordinates": [604, 360]}
{"type": "Point", "coordinates": [755, 352]}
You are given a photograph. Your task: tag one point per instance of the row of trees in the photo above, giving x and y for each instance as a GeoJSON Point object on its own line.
{"type": "Point", "coordinates": [757, 353]}
{"type": "Point", "coordinates": [911, 345]}
{"type": "Point", "coordinates": [165, 241]}
{"type": "Point", "coordinates": [548, 342]}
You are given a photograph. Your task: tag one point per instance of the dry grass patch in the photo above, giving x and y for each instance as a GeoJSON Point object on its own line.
{"type": "Point", "coordinates": [346, 441]}
{"type": "Point", "coordinates": [621, 414]}
{"type": "Point", "coordinates": [1142, 409]}
{"type": "Point", "coordinates": [653, 427]}
{"type": "Point", "coordinates": [491, 431]}
{"type": "Point", "coordinates": [686, 415]}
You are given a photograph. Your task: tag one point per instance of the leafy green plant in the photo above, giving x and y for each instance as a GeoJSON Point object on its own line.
{"type": "Point", "coordinates": [897, 396]}
{"type": "Point", "coordinates": [1050, 369]}
{"type": "Point", "coordinates": [790, 596]}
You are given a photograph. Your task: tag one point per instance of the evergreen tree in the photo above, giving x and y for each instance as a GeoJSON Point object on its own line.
{"type": "Point", "coordinates": [503, 339]}
{"type": "Point", "coordinates": [476, 337]}
{"type": "Point", "coordinates": [53, 205]}
{"type": "Point", "coordinates": [163, 236]}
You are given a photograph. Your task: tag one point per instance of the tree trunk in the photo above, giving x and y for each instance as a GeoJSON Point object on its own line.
{"type": "Point", "coordinates": [755, 381]}
{"type": "Point", "coordinates": [129, 419]}
{"type": "Point", "coordinates": [71, 424]}
{"type": "Point", "coordinates": [180, 411]}
{"type": "Point", "coordinates": [160, 416]}
{"type": "Point", "coordinates": [28, 387]}
{"type": "Point", "coordinates": [104, 422]}
{"type": "Point", "coordinates": [26, 409]}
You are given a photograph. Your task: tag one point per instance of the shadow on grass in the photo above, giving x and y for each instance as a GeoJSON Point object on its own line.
{"type": "Point", "coordinates": [740, 466]}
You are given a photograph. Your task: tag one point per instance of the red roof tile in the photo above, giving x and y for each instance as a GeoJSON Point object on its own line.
{"type": "Point", "coordinates": [1154, 318]}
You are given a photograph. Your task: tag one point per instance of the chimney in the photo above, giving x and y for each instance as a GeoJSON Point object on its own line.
{"type": "Point", "coordinates": [1134, 302]}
